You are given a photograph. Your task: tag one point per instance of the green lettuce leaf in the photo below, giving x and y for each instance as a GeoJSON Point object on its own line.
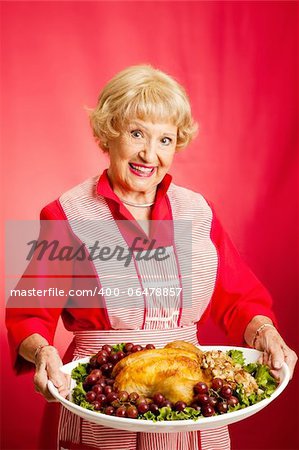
{"type": "Point", "coordinates": [240, 393]}
{"type": "Point", "coordinates": [251, 368]}
{"type": "Point", "coordinates": [265, 380]}
{"type": "Point", "coordinates": [266, 383]}
{"type": "Point", "coordinates": [166, 413]}
{"type": "Point", "coordinates": [149, 416]}
{"type": "Point", "coordinates": [79, 373]}
{"type": "Point", "coordinates": [236, 408]}
{"type": "Point", "coordinates": [237, 356]}
{"type": "Point", "coordinates": [118, 347]}
{"type": "Point", "coordinates": [79, 397]}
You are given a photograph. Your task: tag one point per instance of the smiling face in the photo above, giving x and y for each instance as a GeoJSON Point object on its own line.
{"type": "Point", "coordinates": [140, 157]}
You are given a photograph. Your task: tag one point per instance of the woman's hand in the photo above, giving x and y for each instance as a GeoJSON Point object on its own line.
{"type": "Point", "coordinates": [48, 365]}
{"type": "Point", "coordinates": [275, 351]}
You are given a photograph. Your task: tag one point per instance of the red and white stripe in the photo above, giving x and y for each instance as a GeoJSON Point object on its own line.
{"type": "Point", "coordinates": [89, 342]}
{"type": "Point", "coordinates": [196, 257]}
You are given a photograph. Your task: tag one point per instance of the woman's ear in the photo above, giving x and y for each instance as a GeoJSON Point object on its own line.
{"type": "Point", "coordinates": [103, 143]}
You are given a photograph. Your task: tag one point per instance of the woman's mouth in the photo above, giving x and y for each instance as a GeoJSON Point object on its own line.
{"type": "Point", "coordinates": [141, 171]}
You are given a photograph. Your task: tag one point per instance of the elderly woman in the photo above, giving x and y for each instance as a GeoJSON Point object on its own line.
{"type": "Point", "coordinates": [142, 119]}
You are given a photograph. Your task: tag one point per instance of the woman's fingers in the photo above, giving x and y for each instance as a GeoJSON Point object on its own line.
{"type": "Point", "coordinates": [41, 384]}
{"type": "Point", "coordinates": [291, 360]}
{"type": "Point", "coordinates": [48, 368]}
{"type": "Point", "coordinates": [275, 352]}
{"type": "Point", "coordinates": [65, 389]}
{"type": "Point", "coordinates": [60, 380]}
{"type": "Point", "coordinates": [276, 355]}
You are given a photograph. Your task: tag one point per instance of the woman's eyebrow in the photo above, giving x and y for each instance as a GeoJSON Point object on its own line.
{"type": "Point", "coordinates": [170, 134]}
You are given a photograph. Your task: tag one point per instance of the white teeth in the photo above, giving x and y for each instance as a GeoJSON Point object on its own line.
{"type": "Point", "coordinates": [141, 169]}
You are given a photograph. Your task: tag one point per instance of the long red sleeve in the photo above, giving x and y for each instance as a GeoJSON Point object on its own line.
{"type": "Point", "coordinates": [238, 294]}
{"type": "Point", "coordinates": [21, 322]}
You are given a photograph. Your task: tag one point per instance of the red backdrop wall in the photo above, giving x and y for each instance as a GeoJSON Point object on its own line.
{"type": "Point", "coordinates": [238, 63]}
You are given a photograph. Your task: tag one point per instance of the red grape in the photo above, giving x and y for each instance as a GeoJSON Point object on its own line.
{"type": "Point", "coordinates": [222, 407]}
{"type": "Point", "coordinates": [113, 358]}
{"type": "Point", "coordinates": [101, 398]}
{"type": "Point", "coordinates": [111, 397]}
{"type": "Point", "coordinates": [132, 412]}
{"type": "Point", "coordinates": [158, 398]}
{"type": "Point", "coordinates": [90, 396]}
{"type": "Point", "coordinates": [226, 391]}
{"type": "Point", "coordinates": [97, 388]}
{"type": "Point", "coordinates": [201, 388]}
{"type": "Point", "coordinates": [109, 410]}
{"type": "Point", "coordinates": [202, 399]}
{"type": "Point", "coordinates": [196, 407]}
{"type": "Point", "coordinates": [110, 381]}
{"type": "Point", "coordinates": [105, 368]}
{"type": "Point", "coordinates": [86, 386]}
{"type": "Point", "coordinates": [107, 390]}
{"type": "Point", "coordinates": [128, 347]}
{"type": "Point", "coordinates": [121, 411]}
{"type": "Point", "coordinates": [136, 348]}
{"type": "Point", "coordinates": [97, 405]}
{"type": "Point", "coordinates": [133, 397]}
{"type": "Point", "coordinates": [213, 401]}
{"type": "Point", "coordinates": [107, 348]}
{"type": "Point", "coordinates": [154, 409]}
{"type": "Point", "coordinates": [93, 362]}
{"type": "Point", "coordinates": [91, 379]}
{"type": "Point", "coordinates": [232, 401]}
{"type": "Point", "coordinates": [217, 384]}
{"type": "Point", "coordinates": [120, 355]}
{"type": "Point", "coordinates": [115, 403]}
{"type": "Point", "coordinates": [180, 406]}
{"type": "Point", "coordinates": [96, 372]}
{"type": "Point", "coordinates": [150, 346]}
{"type": "Point", "coordinates": [143, 408]}
{"type": "Point", "coordinates": [140, 400]}
{"type": "Point", "coordinates": [102, 382]}
{"type": "Point", "coordinates": [123, 396]}
{"type": "Point", "coordinates": [208, 411]}
{"type": "Point", "coordinates": [102, 359]}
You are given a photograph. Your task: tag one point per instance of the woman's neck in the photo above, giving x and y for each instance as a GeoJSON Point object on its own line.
{"type": "Point", "coordinates": [134, 198]}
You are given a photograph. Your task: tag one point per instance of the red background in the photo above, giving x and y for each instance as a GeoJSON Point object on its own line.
{"type": "Point", "coordinates": [238, 62]}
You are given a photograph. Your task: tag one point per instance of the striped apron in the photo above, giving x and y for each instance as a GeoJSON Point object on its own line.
{"type": "Point", "coordinates": [144, 319]}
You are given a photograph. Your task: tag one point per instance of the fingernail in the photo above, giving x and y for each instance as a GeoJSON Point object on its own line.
{"type": "Point", "coordinates": [277, 364]}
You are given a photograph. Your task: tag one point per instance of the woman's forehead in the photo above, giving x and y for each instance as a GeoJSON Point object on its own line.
{"type": "Point", "coordinates": [153, 124]}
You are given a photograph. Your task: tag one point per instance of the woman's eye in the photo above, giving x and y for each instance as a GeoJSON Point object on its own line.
{"type": "Point", "coordinates": [136, 133]}
{"type": "Point", "coordinates": [166, 141]}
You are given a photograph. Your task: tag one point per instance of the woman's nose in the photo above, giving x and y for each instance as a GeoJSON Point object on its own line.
{"type": "Point", "coordinates": [148, 151]}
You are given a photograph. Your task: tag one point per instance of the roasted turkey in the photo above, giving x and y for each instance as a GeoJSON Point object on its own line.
{"type": "Point", "coordinates": [173, 371]}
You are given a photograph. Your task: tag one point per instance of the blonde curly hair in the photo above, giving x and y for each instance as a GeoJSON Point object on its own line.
{"type": "Point", "coordinates": [145, 93]}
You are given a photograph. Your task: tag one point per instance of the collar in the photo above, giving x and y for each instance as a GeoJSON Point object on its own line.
{"type": "Point", "coordinates": [104, 188]}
